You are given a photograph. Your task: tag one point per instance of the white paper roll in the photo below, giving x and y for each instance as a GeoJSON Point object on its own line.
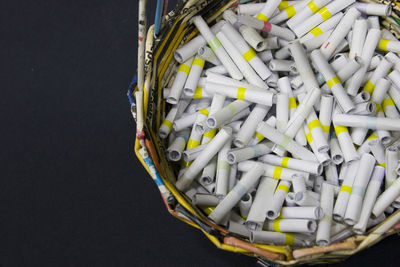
{"type": "Point", "coordinates": [291, 226]}
{"type": "Point", "coordinates": [268, 9]}
{"type": "Point", "coordinates": [176, 148]}
{"type": "Point", "coordinates": [387, 198]}
{"type": "Point", "coordinates": [275, 172]}
{"type": "Point", "coordinates": [324, 224]}
{"type": "Point", "coordinates": [267, 237]}
{"type": "Point", "coordinates": [208, 55]}
{"type": "Point", "coordinates": [311, 8]}
{"type": "Point", "coordinates": [179, 82]}
{"type": "Point", "coordinates": [292, 163]}
{"type": "Point", "coordinates": [274, 207]}
{"type": "Point", "coordinates": [242, 154]}
{"type": "Point", "coordinates": [367, 122]}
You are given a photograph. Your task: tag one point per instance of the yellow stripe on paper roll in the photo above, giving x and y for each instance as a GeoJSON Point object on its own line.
{"type": "Point", "coordinates": [168, 124]}
{"type": "Point", "coordinates": [372, 137]}
{"type": "Point", "coordinates": [346, 188]}
{"type": "Point", "coordinates": [313, 7]}
{"type": "Point", "coordinates": [340, 129]}
{"type": "Point", "coordinates": [204, 111]}
{"type": "Point", "coordinates": [325, 13]}
{"type": "Point", "coordinates": [309, 137]}
{"type": "Point", "coordinates": [192, 144]}
{"type": "Point", "coordinates": [283, 5]}
{"type": "Point", "coordinates": [261, 16]}
{"type": "Point", "coordinates": [240, 93]}
{"type": "Point", "coordinates": [289, 239]}
{"type": "Point", "coordinates": [283, 187]}
{"type": "Point", "coordinates": [292, 102]}
{"type": "Point", "coordinates": [210, 134]}
{"type": "Point", "coordinates": [184, 68]}
{"type": "Point", "coordinates": [275, 225]}
{"type": "Point", "coordinates": [199, 62]}
{"type": "Point", "coordinates": [249, 54]}
{"type": "Point", "coordinates": [313, 124]}
{"type": "Point", "coordinates": [290, 11]}
{"type": "Point", "coordinates": [326, 128]}
{"type": "Point", "coordinates": [259, 136]}
{"type": "Point", "coordinates": [285, 161]}
{"type": "Point", "coordinates": [198, 93]}
{"type": "Point", "coordinates": [383, 44]}
{"type": "Point", "coordinates": [277, 172]}
{"type": "Point", "coordinates": [316, 31]}
{"type": "Point", "coordinates": [331, 82]}
{"type": "Point", "coordinates": [387, 102]}
{"type": "Point", "coordinates": [382, 164]}
{"type": "Point", "coordinates": [369, 87]}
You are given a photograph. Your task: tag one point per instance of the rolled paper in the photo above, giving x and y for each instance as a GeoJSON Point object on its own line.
{"type": "Point", "coordinates": [378, 151]}
{"type": "Point", "coordinates": [366, 108]}
{"type": "Point", "coordinates": [282, 111]}
{"type": "Point", "coordinates": [389, 108]}
{"type": "Point", "coordinates": [282, 53]}
{"type": "Point", "coordinates": [367, 122]}
{"type": "Point", "coordinates": [217, 48]}
{"type": "Point", "coordinates": [343, 197]}
{"type": "Point", "coordinates": [194, 76]}
{"type": "Point", "coordinates": [318, 184]}
{"type": "Point", "coordinates": [267, 237]}
{"type": "Point", "coordinates": [374, 9]}
{"type": "Point", "coordinates": [290, 200]}
{"type": "Point", "coordinates": [238, 229]}
{"type": "Point", "coordinates": [389, 45]}
{"type": "Point", "coordinates": [394, 93]}
{"type": "Point", "coordinates": [220, 69]}
{"type": "Point", "coordinates": [245, 204]}
{"type": "Point", "coordinates": [268, 9]}
{"type": "Point", "coordinates": [179, 82]}
{"type": "Point", "coordinates": [205, 200]}
{"type": "Point", "coordinates": [204, 157]}
{"type": "Point", "coordinates": [247, 181]}
{"type": "Point", "coordinates": [394, 59]}
{"type": "Point", "coordinates": [275, 172]}
{"type": "Point", "coordinates": [322, 14]}
{"type": "Point", "coordinates": [274, 207]}
{"type": "Point", "coordinates": [288, 12]}
{"type": "Point", "coordinates": [281, 65]}
{"type": "Point", "coordinates": [232, 176]}
{"type": "Point", "coordinates": [207, 177]}
{"type": "Point", "coordinates": [246, 51]}
{"type": "Point", "coordinates": [357, 41]}
{"type": "Point", "coordinates": [223, 169]}
{"type": "Point", "coordinates": [392, 159]}
{"type": "Point", "coordinates": [340, 32]}
{"type": "Point", "coordinates": [272, 80]}
{"type": "Point", "coordinates": [335, 151]}
{"type": "Point", "coordinates": [361, 97]}
{"type": "Point", "coordinates": [266, 27]}
{"type": "Point", "coordinates": [188, 50]}
{"type": "Point", "coordinates": [299, 184]}
{"type": "Point", "coordinates": [249, 126]}
{"type": "Point", "coordinates": [300, 57]}
{"type": "Point", "coordinates": [291, 225]}
{"type": "Point", "coordinates": [208, 55]}
{"type": "Point", "coordinates": [292, 163]}
{"type": "Point", "coordinates": [265, 56]}
{"type": "Point", "coordinates": [221, 79]}
{"type": "Point", "coordinates": [324, 27]}
{"type": "Point", "coordinates": [315, 128]}
{"type": "Point", "coordinates": [381, 70]}
{"type": "Point", "coordinates": [353, 84]}
{"type": "Point", "coordinates": [188, 120]}
{"type": "Point", "coordinates": [324, 224]}
{"type": "Point", "coordinates": [235, 125]}
{"type": "Point", "coordinates": [365, 169]}
{"type": "Point", "coordinates": [325, 114]}
{"type": "Point", "coordinates": [349, 69]}
{"type": "Point", "coordinates": [311, 8]}
{"type": "Point", "coordinates": [258, 211]}
{"type": "Point", "coordinates": [331, 174]}
{"type": "Point", "coordinates": [271, 121]}
{"type": "Point", "coordinates": [166, 125]}
{"type": "Point", "coordinates": [333, 81]}
{"type": "Point", "coordinates": [228, 112]}
{"type": "Point", "coordinates": [253, 38]}
{"type": "Point", "coordinates": [248, 73]}
{"type": "Point", "coordinates": [316, 42]}
{"type": "Point", "coordinates": [242, 154]}
{"type": "Point", "coordinates": [306, 199]}
{"type": "Point", "coordinates": [285, 142]}
{"type": "Point", "coordinates": [387, 198]}
{"type": "Point", "coordinates": [369, 200]}
{"type": "Point", "coordinates": [175, 150]}
{"type": "Point", "coordinates": [322, 157]}
{"type": "Point", "coordinates": [310, 213]}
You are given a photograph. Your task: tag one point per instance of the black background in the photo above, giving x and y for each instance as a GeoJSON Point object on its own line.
{"type": "Point", "coordinates": [72, 193]}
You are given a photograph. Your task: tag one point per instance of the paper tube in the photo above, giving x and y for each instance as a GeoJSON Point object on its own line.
{"type": "Point", "coordinates": [381, 71]}
{"type": "Point", "coordinates": [232, 176]}
{"type": "Point", "coordinates": [269, 8]}
{"type": "Point", "coordinates": [366, 108]}
{"type": "Point", "coordinates": [322, 157]}
{"type": "Point", "coordinates": [359, 33]}
{"type": "Point", "coordinates": [207, 54]}
{"type": "Point", "coordinates": [331, 174]}
{"type": "Point", "coordinates": [365, 169]}
{"type": "Point", "coordinates": [291, 226]}
{"type": "Point", "coordinates": [367, 122]}
{"type": "Point", "coordinates": [369, 200]}
{"type": "Point", "coordinates": [190, 154]}
{"type": "Point", "coordinates": [362, 97]}
{"type": "Point", "coordinates": [349, 69]}
{"type": "Point", "coordinates": [265, 56]}
{"type": "Point", "coordinates": [205, 200]}
{"type": "Point", "coordinates": [389, 45]}
{"type": "Point", "coordinates": [217, 48]}
{"type": "Point", "coordinates": [310, 213]}
{"type": "Point", "coordinates": [288, 12]}
{"type": "Point", "coordinates": [265, 193]}
{"type": "Point", "coordinates": [285, 142]}
{"type": "Point", "coordinates": [332, 80]}
{"type": "Point", "coordinates": [179, 82]}
{"type": "Point", "coordinates": [223, 169]}
{"type": "Point", "coordinates": [267, 237]}
{"type": "Point", "coordinates": [238, 228]}
{"type": "Point", "coordinates": [274, 207]}
{"type": "Point", "coordinates": [335, 151]}
{"type": "Point", "coordinates": [205, 156]}
{"type": "Point", "coordinates": [282, 111]}
{"type": "Point", "coordinates": [352, 85]}
{"type": "Point", "coordinates": [166, 125]}
{"type": "Point", "coordinates": [324, 224]}
{"type": "Point", "coordinates": [245, 204]}
{"type": "Point", "coordinates": [220, 69]}
{"type": "Point", "coordinates": [248, 73]}
{"type": "Point", "coordinates": [316, 42]}
{"type": "Point", "coordinates": [249, 127]}
{"type": "Point", "coordinates": [289, 200]}
{"type": "Point", "coordinates": [246, 51]}
{"type": "Point", "coordinates": [311, 8]}
{"type": "Point", "coordinates": [176, 148]}
{"type": "Point", "coordinates": [318, 135]}
{"type": "Point", "coordinates": [247, 181]}
{"type": "Point", "coordinates": [275, 172]}
{"type": "Point", "coordinates": [325, 114]}
{"type": "Point", "coordinates": [392, 159]}
{"type": "Point", "coordinates": [323, 14]}
{"type": "Point", "coordinates": [299, 184]}
{"type": "Point", "coordinates": [374, 9]}
{"type": "Point", "coordinates": [389, 108]}
{"type": "Point", "coordinates": [343, 197]}
{"type": "Point", "coordinates": [228, 112]}
{"type": "Point", "coordinates": [221, 79]}
{"type": "Point", "coordinates": [188, 50]}
{"type": "Point", "coordinates": [394, 93]}
{"type": "Point", "coordinates": [340, 32]}
{"type": "Point", "coordinates": [242, 154]}
{"type": "Point", "coordinates": [387, 198]}
{"type": "Point", "coordinates": [306, 199]}
{"type": "Point", "coordinates": [292, 163]}
{"type": "Point", "coordinates": [271, 121]}
{"type": "Point", "coordinates": [325, 26]}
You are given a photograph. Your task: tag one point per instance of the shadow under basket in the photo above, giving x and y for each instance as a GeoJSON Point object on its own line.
{"type": "Point", "coordinates": [151, 149]}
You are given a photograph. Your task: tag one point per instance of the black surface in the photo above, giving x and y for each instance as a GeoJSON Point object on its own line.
{"type": "Point", "coordinates": [72, 192]}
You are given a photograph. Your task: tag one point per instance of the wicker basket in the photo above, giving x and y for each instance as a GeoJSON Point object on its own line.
{"type": "Point", "coordinates": [159, 67]}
